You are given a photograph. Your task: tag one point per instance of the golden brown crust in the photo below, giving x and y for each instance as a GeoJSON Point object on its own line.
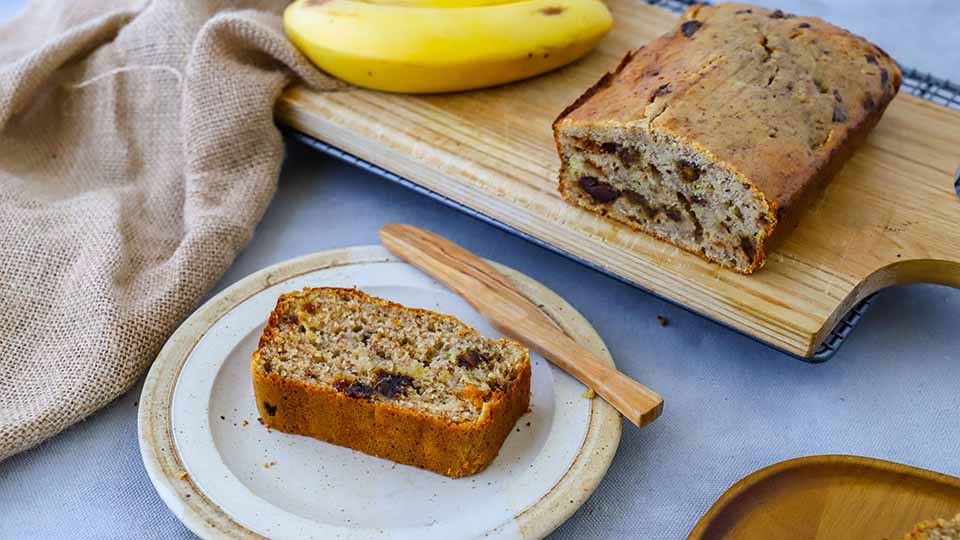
{"type": "Point", "coordinates": [383, 429]}
{"type": "Point", "coordinates": [778, 100]}
{"type": "Point", "coordinates": [604, 81]}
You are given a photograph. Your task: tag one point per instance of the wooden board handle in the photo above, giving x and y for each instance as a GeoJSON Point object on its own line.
{"type": "Point", "coordinates": [513, 314]}
{"type": "Point", "coordinates": [931, 248]}
{"type": "Point", "coordinates": [948, 271]}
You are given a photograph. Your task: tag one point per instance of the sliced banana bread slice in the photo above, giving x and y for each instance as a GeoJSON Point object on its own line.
{"type": "Point", "coordinates": [409, 385]}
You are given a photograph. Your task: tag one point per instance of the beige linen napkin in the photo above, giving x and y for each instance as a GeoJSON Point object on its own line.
{"type": "Point", "coordinates": [137, 152]}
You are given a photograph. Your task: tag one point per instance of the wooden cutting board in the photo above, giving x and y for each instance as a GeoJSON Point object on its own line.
{"type": "Point", "coordinates": [830, 498]}
{"type": "Point", "coordinates": [890, 217]}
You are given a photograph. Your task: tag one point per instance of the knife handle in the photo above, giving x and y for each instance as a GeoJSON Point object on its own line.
{"type": "Point", "coordinates": [636, 402]}
{"type": "Point", "coordinates": [513, 314]}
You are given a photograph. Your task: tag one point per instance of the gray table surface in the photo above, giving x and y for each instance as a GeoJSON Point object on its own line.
{"type": "Point", "coordinates": [733, 405]}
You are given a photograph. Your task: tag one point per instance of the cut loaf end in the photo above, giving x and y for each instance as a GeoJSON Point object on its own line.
{"type": "Point", "coordinates": [408, 385]}
{"type": "Point", "coordinates": [669, 190]}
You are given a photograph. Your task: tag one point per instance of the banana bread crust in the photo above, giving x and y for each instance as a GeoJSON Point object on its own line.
{"type": "Point", "coordinates": [382, 429]}
{"type": "Point", "coordinates": [777, 100]}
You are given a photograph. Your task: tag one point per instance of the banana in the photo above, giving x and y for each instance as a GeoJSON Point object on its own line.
{"type": "Point", "coordinates": [438, 3]}
{"type": "Point", "coordinates": [426, 46]}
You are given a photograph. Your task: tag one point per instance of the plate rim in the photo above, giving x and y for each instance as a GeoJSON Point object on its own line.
{"type": "Point", "coordinates": [206, 519]}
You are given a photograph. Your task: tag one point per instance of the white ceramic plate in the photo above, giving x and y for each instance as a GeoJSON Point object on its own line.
{"type": "Point", "coordinates": [225, 476]}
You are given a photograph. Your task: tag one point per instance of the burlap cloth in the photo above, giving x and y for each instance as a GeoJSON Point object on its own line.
{"type": "Point", "coordinates": [137, 153]}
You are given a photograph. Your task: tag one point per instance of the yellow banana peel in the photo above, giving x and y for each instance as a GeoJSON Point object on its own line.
{"type": "Point", "coordinates": [424, 46]}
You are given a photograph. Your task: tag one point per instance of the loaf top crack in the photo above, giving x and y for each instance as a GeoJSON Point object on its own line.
{"type": "Point", "coordinates": [345, 341]}
{"type": "Point", "coordinates": [771, 95]}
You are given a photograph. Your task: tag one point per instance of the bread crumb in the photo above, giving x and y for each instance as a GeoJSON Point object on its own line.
{"type": "Point", "coordinates": [270, 464]}
{"type": "Point", "coordinates": [663, 320]}
{"type": "Point", "coordinates": [182, 476]}
{"type": "Point", "coordinates": [245, 423]}
{"type": "Point", "coordinates": [589, 394]}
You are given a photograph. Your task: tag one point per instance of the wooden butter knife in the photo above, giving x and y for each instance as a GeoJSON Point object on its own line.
{"type": "Point", "coordinates": [510, 312]}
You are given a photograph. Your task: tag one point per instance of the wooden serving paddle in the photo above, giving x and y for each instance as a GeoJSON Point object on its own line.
{"type": "Point", "coordinates": [513, 314]}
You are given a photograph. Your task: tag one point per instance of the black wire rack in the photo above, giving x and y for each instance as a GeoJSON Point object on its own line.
{"type": "Point", "coordinates": [937, 90]}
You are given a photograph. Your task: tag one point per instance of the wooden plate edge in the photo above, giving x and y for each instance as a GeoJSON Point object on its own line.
{"type": "Point", "coordinates": [747, 483]}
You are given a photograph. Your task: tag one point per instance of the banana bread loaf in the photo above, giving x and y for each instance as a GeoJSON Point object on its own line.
{"type": "Point", "coordinates": [714, 135]}
{"type": "Point", "coordinates": [408, 385]}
